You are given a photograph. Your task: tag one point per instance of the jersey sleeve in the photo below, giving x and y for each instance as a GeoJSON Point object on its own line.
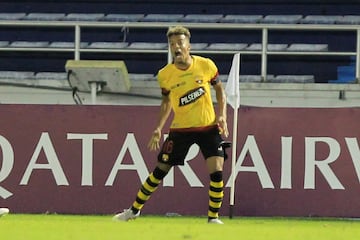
{"type": "Point", "coordinates": [212, 71]}
{"type": "Point", "coordinates": [161, 81]}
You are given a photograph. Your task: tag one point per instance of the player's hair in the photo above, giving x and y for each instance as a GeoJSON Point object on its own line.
{"type": "Point", "coordinates": [178, 30]}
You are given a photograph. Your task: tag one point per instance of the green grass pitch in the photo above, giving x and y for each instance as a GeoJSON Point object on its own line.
{"type": "Point", "coordinates": [67, 227]}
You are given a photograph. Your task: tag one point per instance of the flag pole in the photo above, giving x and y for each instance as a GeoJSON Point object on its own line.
{"type": "Point", "coordinates": [236, 105]}
{"type": "Point", "coordinates": [233, 162]}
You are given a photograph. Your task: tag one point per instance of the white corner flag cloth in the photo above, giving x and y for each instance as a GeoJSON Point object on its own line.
{"type": "Point", "coordinates": [232, 88]}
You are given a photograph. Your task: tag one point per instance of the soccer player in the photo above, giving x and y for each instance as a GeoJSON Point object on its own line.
{"type": "Point", "coordinates": [185, 87]}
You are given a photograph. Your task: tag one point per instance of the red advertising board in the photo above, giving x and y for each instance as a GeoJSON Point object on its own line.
{"type": "Point", "coordinates": [92, 160]}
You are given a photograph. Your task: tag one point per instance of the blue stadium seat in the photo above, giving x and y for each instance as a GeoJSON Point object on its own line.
{"type": "Point", "coordinates": [282, 19]}
{"type": "Point", "coordinates": [123, 17]}
{"type": "Point", "coordinates": [321, 19]}
{"type": "Point", "coordinates": [108, 45]}
{"type": "Point", "coordinates": [29, 44]}
{"type": "Point", "coordinates": [44, 16]}
{"type": "Point", "coordinates": [293, 79]}
{"type": "Point", "coordinates": [17, 75]}
{"type": "Point", "coordinates": [270, 47]}
{"type": "Point", "coordinates": [12, 16]}
{"type": "Point", "coordinates": [162, 18]}
{"type": "Point", "coordinates": [227, 46]}
{"type": "Point", "coordinates": [349, 19]}
{"type": "Point", "coordinates": [304, 47]}
{"type": "Point", "coordinates": [66, 44]}
{"type": "Point", "coordinates": [4, 43]}
{"type": "Point", "coordinates": [241, 18]}
{"type": "Point", "coordinates": [346, 72]}
{"type": "Point", "coordinates": [83, 17]}
{"type": "Point", "coordinates": [147, 45]}
{"type": "Point", "coordinates": [202, 18]}
{"type": "Point", "coordinates": [51, 75]}
{"type": "Point", "coordinates": [342, 81]}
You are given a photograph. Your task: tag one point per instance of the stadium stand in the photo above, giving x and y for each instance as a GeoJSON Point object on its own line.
{"type": "Point", "coordinates": [129, 35]}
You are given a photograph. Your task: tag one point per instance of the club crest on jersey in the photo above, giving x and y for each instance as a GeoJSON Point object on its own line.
{"type": "Point", "coordinates": [199, 79]}
{"type": "Point", "coordinates": [191, 96]}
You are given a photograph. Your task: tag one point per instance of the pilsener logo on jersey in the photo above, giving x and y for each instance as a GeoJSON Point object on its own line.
{"type": "Point", "coordinates": [191, 96]}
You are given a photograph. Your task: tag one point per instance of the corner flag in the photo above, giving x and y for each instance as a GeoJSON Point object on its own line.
{"type": "Point", "coordinates": [232, 91]}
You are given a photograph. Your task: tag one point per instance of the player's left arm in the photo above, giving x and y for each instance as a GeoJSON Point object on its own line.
{"type": "Point", "coordinates": [221, 102]}
{"type": "Point", "coordinates": [220, 97]}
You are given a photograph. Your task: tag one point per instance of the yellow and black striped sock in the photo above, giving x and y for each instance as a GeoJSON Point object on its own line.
{"type": "Point", "coordinates": [147, 188]}
{"type": "Point", "coordinates": [216, 194]}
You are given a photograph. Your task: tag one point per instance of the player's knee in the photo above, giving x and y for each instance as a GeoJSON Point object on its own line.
{"type": "Point", "coordinates": [216, 176]}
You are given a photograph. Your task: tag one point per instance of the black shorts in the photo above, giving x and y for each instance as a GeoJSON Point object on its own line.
{"type": "Point", "coordinates": [178, 143]}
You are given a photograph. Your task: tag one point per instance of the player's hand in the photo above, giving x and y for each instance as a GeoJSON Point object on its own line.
{"type": "Point", "coordinates": [223, 126]}
{"type": "Point", "coordinates": [154, 143]}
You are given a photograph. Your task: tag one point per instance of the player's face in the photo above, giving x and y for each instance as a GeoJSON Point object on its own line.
{"type": "Point", "coordinates": [180, 48]}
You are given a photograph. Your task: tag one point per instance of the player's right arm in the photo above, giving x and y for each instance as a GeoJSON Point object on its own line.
{"type": "Point", "coordinates": [165, 110]}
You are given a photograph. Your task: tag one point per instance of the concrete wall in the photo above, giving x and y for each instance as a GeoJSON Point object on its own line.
{"type": "Point", "coordinates": [147, 93]}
